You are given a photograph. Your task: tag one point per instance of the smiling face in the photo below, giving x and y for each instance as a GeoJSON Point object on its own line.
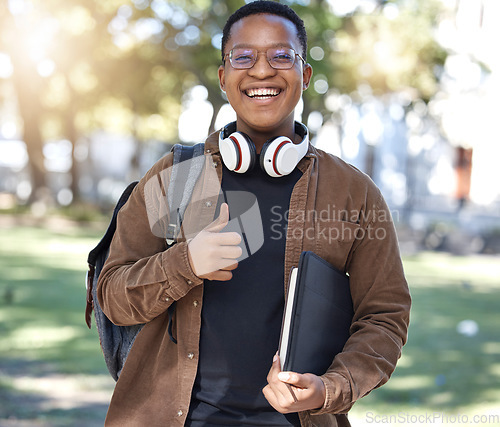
{"type": "Point", "coordinates": [264, 98]}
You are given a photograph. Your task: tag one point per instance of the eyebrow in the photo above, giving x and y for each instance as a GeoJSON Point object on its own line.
{"type": "Point", "coordinates": [249, 46]}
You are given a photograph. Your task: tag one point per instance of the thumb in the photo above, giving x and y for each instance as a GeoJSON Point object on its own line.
{"type": "Point", "coordinates": [221, 221]}
{"type": "Point", "coordinates": [293, 378]}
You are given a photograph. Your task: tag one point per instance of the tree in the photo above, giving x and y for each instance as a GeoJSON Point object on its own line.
{"type": "Point", "coordinates": [26, 82]}
{"type": "Point", "coordinates": [140, 57]}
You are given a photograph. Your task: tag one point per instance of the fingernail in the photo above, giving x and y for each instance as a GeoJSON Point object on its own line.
{"type": "Point", "coordinates": [275, 358]}
{"type": "Point", "coordinates": [283, 376]}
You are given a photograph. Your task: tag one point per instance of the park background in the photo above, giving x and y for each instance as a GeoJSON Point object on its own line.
{"type": "Point", "coordinates": [93, 92]}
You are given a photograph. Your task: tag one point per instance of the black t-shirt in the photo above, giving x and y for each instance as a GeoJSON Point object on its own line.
{"type": "Point", "coordinates": [241, 318]}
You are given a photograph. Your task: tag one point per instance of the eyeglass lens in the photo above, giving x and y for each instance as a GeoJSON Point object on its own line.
{"type": "Point", "coordinates": [280, 58]}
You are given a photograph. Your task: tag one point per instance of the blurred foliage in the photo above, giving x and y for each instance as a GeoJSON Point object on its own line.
{"type": "Point", "coordinates": [390, 54]}
{"type": "Point", "coordinates": [123, 66]}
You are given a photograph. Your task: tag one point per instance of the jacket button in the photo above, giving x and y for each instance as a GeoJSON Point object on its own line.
{"type": "Point", "coordinates": [208, 203]}
{"type": "Point", "coordinates": [189, 282]}
{"type": "Point", "coordinates": [215, 164]}
{"type": "Point", "coordinates": [179, 413]}
{"type": "Point", "coordinates": [208, 150]}
{"type": "Point", "coordinates": [167, 299]}
{"type": "Point", "coordinates": [195, 303]}
{"type": "Point", "coordinates": [190, 355]}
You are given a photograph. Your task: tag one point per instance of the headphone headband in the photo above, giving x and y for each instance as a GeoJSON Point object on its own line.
{"type": "Point", "coordinates": [300, 129]}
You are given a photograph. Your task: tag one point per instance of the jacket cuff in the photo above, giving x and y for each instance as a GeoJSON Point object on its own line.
{"type": "Point", "coordinates": [338, 395]}
{"type": "Point", "coordinates": [180, 276]}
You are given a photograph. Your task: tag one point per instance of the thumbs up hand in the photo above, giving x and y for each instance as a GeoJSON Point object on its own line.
{"type": "Point", "coordinates": [212, 253]}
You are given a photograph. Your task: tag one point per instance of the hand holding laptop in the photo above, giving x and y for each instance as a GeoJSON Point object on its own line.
{"type": "Point", "coordinates": [293, 392]}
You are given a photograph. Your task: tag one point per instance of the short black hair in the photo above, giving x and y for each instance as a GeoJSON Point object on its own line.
{"type": "Point", "coordinates": [273, 8]}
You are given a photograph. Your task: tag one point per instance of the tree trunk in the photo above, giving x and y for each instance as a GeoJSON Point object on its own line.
{"type": "Point", "coordinates": [34, 144]}
{"type": "Point", "coordinates": [27, 86]}
{"type": "Point", "coordinates": [72, 135]}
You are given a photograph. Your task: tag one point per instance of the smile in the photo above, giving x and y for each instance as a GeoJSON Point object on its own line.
{"type": "Point", "coordinates": [262, 93]}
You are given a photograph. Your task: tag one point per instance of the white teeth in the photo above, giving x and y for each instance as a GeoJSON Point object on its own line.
{"type": "Point", "coordinates": [262, 92]}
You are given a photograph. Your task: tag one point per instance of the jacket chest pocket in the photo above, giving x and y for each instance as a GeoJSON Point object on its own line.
{"type": "Point", "coordinates": [335, 240]}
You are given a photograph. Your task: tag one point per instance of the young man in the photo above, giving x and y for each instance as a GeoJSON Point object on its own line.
{"type": "Point", "coordinates": [214, 364]}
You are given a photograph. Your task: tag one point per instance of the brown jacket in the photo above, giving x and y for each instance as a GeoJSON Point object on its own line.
{"type": "Point", "coordinates": [335, 211]}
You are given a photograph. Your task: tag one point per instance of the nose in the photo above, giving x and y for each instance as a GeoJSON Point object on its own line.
{"type": "Point", "coordinates": [262, 69]}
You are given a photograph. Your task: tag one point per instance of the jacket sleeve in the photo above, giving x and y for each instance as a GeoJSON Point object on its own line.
{"type": "Point", "coordinates": [381, 302]}
{"type": "Point", "coordinates": [141, 277]}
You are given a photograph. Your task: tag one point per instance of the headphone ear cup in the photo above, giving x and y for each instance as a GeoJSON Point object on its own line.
{"type": "Point", "coordinates": [278, 157]}
{"type": "Point", "coordinates": [238, 152]}
{"type": "Point", "coordinates": [263, 151]}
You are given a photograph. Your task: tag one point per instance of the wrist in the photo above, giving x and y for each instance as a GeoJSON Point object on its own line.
{"type": "Point", "coordinates": [322, 402]}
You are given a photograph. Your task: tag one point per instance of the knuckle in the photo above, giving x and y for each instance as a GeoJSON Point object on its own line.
{"type": "Point", "coordinates": [265, 391]}
{"type": "Point", "coordinates": [285, 404]}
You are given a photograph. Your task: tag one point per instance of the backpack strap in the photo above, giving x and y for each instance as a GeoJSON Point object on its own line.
{"type": "Point", "coordinates": [188, 164]}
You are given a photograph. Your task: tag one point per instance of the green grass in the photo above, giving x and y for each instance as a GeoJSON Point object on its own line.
{"type": "Point", "coordinates": [44, 336]}
{"type": "Point", "coordinates": [43, 276]}
{"type": "Point", "coordinates": [443, 370]}
{"type": "Point", "coordinates": [47, 353]}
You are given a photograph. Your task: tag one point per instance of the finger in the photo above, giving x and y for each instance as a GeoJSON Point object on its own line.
{"type": "Point", "coordinates": [221, 220]}
{"type": "Point", "coordinates": [286, 378]}
{"type": "Point", "coordinates": [225, 256]}
{"type": "Point", "coordinates": [271, 397]}
{"type": "Point", "coordinates": [277, 361]}
{"type": "Point", "coordinates": [275, 397]}
{"type": "Point", "coordinates": [295, 379]}
{"type": "Point", "coordinates": [229, 238]}
{"type": "Point", "coordinates": [280, 399]}
{"type": "Point", "coordinates": [225, 265]}
{"type": "Point", "coordinates": [229, 252]}
{"type": "Point", "coordinates": [277, 393]}
{"type": "Point", "coordinates": [285, 375]}
{"type": "Point", "coordinates": [220, 275]}
{"type": "Point", "coordinates": [275, 369]}
{"type": "Point", "coordinates": [231, 267]}
{"type": "Point", "coordinates": [223, 273]}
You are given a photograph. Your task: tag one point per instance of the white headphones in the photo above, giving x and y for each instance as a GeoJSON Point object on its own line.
{"type": "Point", "coordinates": [279, 155]}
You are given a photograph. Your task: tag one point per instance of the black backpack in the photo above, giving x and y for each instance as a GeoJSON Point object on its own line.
{"type": "Point", "coordinates": [116, 341]}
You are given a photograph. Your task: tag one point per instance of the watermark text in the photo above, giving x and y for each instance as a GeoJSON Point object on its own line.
{"type": "Point", "coordinates": [437, 418]}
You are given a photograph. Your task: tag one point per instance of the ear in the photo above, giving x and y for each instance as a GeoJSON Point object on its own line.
{"type": "Point", "coordinates": [306, 75]}
{"type": "Point", "coordinates": [222, 78]}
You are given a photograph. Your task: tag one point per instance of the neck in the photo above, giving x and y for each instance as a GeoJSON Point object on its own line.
{"type": "Point", "coordinates": [260, 137]}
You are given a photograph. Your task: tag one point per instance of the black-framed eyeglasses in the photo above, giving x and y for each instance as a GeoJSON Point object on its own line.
{"type": "Point", "coordinates": [280, 58]}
